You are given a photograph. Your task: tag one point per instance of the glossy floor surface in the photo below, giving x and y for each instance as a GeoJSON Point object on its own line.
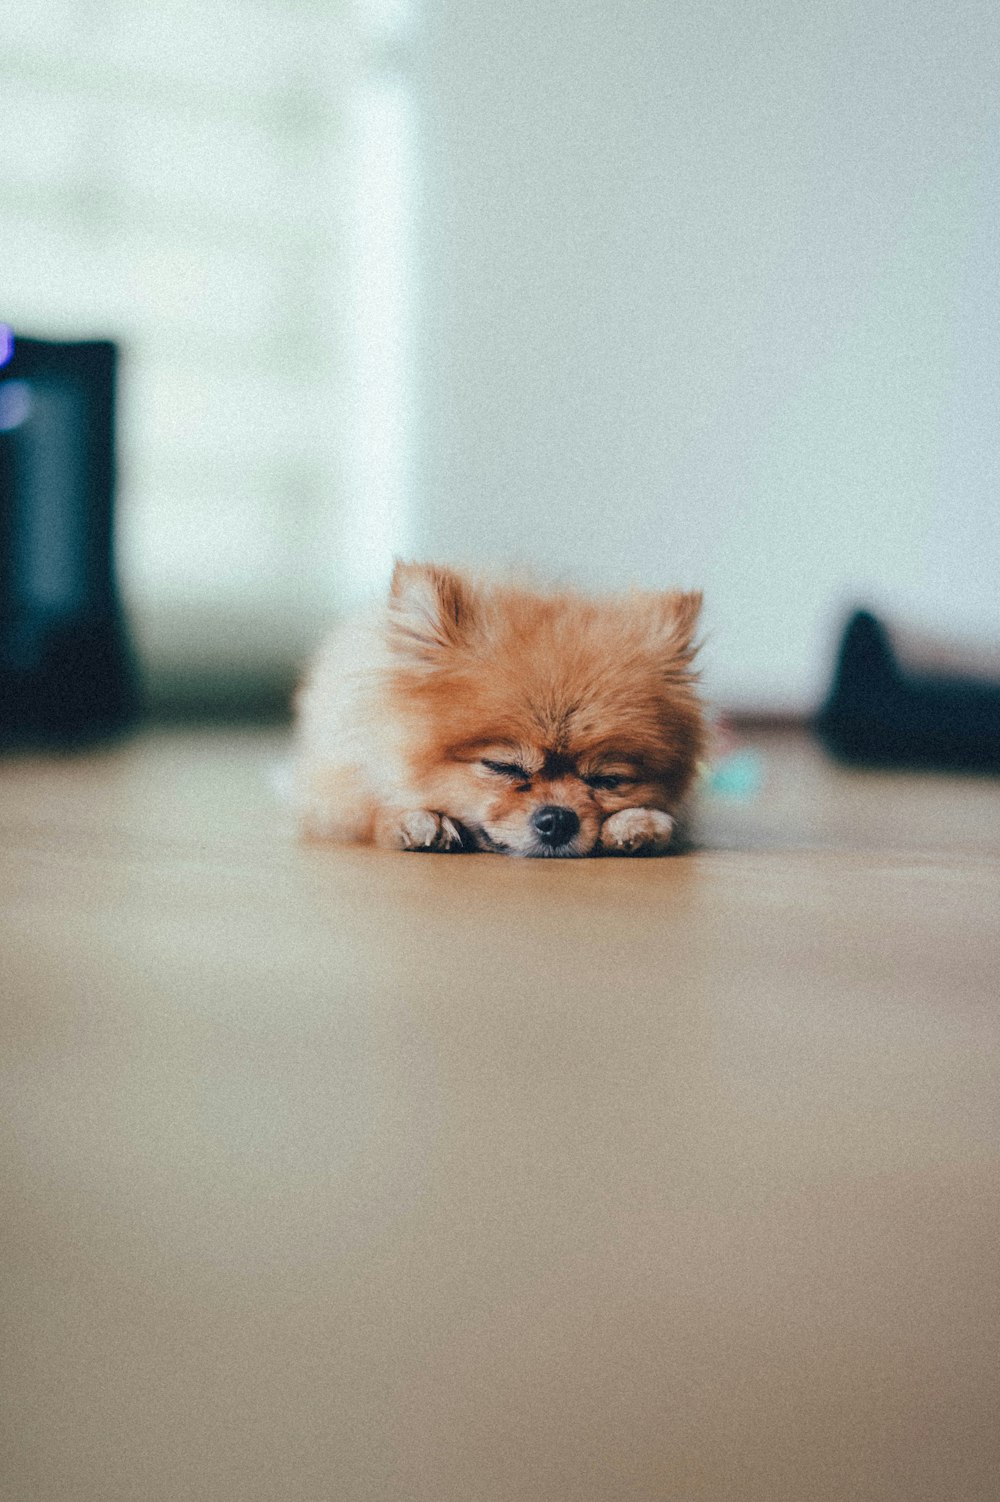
{"type": "Point", "coordinates": [335, 1176]}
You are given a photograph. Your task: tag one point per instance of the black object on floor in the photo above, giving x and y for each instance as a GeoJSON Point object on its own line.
{"type": "Point", "coordinates": [66, 670]}
{"type": "Point", "coordinates": [880, 713]}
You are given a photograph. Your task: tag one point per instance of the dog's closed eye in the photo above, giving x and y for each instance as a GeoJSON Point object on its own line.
{"type": "Point", "coordinates": [507, 769]}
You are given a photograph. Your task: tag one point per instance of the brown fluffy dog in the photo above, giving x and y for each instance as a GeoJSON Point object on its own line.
{"type": "Point", "coordinates": [474, 716]}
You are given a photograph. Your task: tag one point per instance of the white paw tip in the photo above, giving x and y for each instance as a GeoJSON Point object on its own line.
{"type": "Point", "coordinates": [638, 829]}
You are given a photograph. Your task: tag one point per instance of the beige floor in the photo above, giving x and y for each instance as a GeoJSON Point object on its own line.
{"type": "Point", "coordinates": [333, 1177]}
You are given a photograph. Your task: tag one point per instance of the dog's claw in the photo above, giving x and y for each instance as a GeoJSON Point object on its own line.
{"type": "Point", "coordinates": [420, 829]}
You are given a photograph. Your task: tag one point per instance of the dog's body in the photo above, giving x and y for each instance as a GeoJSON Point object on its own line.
{"type": "Point", "coordinates": [463, 715]}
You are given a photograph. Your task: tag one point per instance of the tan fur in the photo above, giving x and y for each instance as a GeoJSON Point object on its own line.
{"type": "Point", "coordinates": [401, 710]}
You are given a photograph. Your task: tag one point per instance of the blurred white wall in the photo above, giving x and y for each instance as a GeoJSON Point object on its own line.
{"type": "Point", "coordinates": [709, 296]}
{"type": "Point", "coordinates": [628, 290]}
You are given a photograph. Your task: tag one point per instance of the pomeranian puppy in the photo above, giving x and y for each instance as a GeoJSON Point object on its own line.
{"type": "Point", "coordinates": [467, 715]}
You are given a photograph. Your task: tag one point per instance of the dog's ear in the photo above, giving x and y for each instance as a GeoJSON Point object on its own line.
{"type": "Point", "coordinates": [676, 615]}
{"type": "Point", "coordinates": [431, 609]}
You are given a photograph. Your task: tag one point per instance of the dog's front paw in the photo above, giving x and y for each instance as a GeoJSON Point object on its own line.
{"type": "Point", "coordinates": [637, 831]}
{"type": "Point", "coordinates": [419, 829]}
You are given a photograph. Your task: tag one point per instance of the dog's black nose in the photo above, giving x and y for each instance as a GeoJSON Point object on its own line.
{"type": "Point", "coordinates": [554, 825]}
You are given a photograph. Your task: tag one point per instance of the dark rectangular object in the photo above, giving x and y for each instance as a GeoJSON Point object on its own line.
{"type": "Point", "coordinates": [66, 672]}
{"type": "Point", "coordinates": [884, 712]}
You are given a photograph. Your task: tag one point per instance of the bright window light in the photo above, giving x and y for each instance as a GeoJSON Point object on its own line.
{"type": "Point", "coordinates": [380, 231]}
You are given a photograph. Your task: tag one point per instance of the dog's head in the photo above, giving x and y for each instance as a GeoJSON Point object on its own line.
{"type": "Point", "coordinates": [531, 717]}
